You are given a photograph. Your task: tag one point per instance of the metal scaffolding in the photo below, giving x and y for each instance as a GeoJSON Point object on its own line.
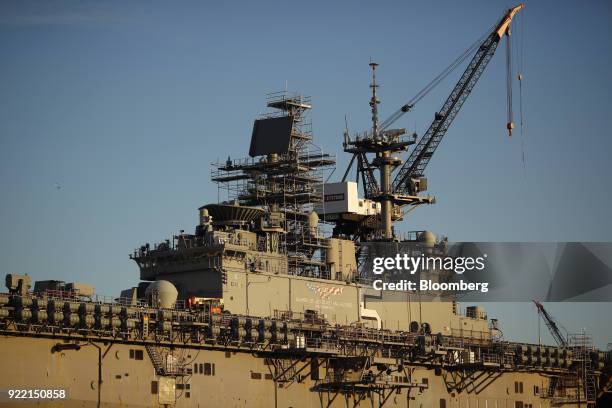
{"type": "Point", "coordinates": [288, 184]}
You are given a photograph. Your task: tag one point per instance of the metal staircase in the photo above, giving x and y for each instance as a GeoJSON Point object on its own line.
{"type": "Point", "coordinates": [285, 369]}
{"type": "Point", "coordinates": [157, 360]}
{"type": "Point", "coordinates": [552, 387]}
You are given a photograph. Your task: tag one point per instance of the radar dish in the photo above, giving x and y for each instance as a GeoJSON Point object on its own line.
{"type": "Point", "coordinates": [227, 214]}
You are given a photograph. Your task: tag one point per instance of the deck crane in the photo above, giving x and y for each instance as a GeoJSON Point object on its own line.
{"type": "Point", "coordinates": [420, 156]}
{"type": "Point", "coordinates": [553, 327]}
{"type": "Point", "coordinates": [402, 190]}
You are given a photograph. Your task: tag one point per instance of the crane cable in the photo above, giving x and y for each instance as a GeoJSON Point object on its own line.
{"type": "Point", "coordinates": [435, 82]}
{"type": "Point", "coordinates": [518, 49]}
{"type": "Point", "coordinates": [520, 79]}
{"type": "Point", "coordinates": [510, 124]}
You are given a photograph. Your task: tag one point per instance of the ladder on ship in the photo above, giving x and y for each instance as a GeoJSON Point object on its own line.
{"type": "Point", "coordinates": [590, 391]}
{"type": "Point", "coordinates": [582, 345]}
{"type": "Point", "coordinates": [156, 359]}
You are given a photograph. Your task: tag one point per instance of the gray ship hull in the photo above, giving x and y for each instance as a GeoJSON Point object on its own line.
{"type": "Point", "coordinates": [231, 378]}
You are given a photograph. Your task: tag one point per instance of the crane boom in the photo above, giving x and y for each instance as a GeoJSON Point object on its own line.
{"type": "Point", "coordinates": [553, 328]}
{"type": "Point", "coordinates": [425, 148]}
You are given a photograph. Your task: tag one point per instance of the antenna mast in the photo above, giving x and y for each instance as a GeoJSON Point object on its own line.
{"type": "Point", "coordinates": [374, 101]}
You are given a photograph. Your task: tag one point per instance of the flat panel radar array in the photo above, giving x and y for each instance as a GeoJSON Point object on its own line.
{"type": "Point", "coordinates": [271, 136]}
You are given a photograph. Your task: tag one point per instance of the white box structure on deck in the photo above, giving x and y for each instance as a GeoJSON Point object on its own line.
{"type": "Point", "coordinates": [342, 198]}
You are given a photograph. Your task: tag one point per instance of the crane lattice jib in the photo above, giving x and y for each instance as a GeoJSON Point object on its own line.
{"type": "Point", "coordinates": [427, 145]}
{"type": "Point", "coordinates": [553, 328]}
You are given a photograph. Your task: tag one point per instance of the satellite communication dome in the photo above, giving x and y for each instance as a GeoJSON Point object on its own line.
{"type": "Point", "coordinates": [162, 294]}
{"type": "Point", "coordinates": [428, 238]}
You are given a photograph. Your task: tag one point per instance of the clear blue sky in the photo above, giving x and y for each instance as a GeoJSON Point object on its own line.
{"type": "Point", "coordinates": [124, 105]}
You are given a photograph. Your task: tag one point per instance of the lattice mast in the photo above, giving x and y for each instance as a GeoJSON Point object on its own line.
{"type": "Point", "coordinates": [383, 145]}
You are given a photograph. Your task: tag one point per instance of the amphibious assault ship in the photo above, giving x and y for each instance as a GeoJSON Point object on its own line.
{"type": "Point", "coordinates": [269, 302]}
